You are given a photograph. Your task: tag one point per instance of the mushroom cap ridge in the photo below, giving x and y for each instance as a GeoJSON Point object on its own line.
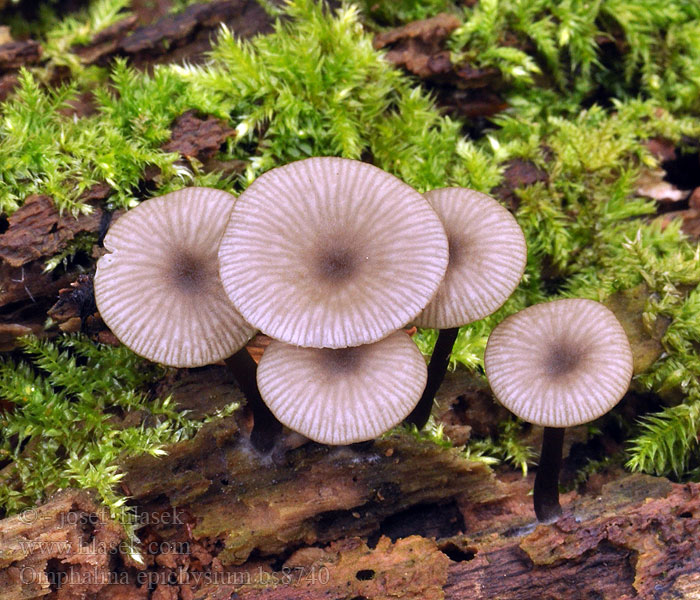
{"type": "Point", "coordinates": [560, 363]}
{"type": "Point", "coordinates": [346, 395]}
{"type": "Point", "coordinates": [158, 288]}
{"type": "Point", "coordinates": [331, 252]}
{"type": "Point", "coordinates": [488, 254]}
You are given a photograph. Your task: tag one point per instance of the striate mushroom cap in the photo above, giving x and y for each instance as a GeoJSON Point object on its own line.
{"type": "Point", "coordinates": [342, 396]}
{"type": "Point", "coordinates": [158, 288]}
{"type": "Point", "coordinates": [487, 258]}
{"type": "Point", "coordinates": [559, 364]}
{"type": "Point", "coordinates": [330, 252]}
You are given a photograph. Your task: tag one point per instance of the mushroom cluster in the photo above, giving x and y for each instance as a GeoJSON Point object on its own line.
{"type": "Point", "coordinates": [331, 258]}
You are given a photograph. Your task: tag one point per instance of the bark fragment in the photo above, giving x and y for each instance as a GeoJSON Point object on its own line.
{"type": "Point", "coordinates": [419, 47]}
{"type": "Point", "coordinates": [63, 546]}
{"type": "Point", "coordinates": [518, 173]}
{"type": "Point", "coordinates": [16, 54]}
{"type": "Point", "coordinates": [38, 230]}
{"type": "Point", "coordinates": [194, 137]}
{"type": "Point", "coordinates": [175, 37]}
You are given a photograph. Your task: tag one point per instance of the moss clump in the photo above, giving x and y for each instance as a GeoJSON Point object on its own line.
{"type": "Point", "coordinates": [621, 49]}
{"type": "Point", "coordinates": [315, 86]}
{"type": "Point", "coordinates": [44, 150]}
{"type": "Point", "coordinates": [77, 410]}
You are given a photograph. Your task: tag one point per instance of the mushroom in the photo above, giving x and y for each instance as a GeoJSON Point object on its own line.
{"type": "Point", "coordinates": [329, 252]}
{"type": "Point", "coordinates": [487, 260]}
{"type": "Point", "coordinates": [158, 287]}
{"type": "Point", "coordinates": [342, 396]}
{"type": "Point", "coordinates": [558, 364]}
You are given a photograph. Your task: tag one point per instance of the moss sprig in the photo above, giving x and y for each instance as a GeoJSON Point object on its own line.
{"type": "Point", "coordinates": [667, 442]}
{"type": "Point", "coordinates": [575, 49]}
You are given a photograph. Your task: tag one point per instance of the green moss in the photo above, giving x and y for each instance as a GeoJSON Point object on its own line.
{"type": "Point", "coordinates": [315, 86]}
{"type": "Point", "coordinates": [77, 411]}
{"type": "Point", "coordinates": [45, 150]}
{"type": "Point", "coordinates": [574, 49]}
{"type": "Point", "coordinates": [506, 447]}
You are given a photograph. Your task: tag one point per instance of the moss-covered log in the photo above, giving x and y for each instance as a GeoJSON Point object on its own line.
{"type": "Point", "coordinates": [307, 495]}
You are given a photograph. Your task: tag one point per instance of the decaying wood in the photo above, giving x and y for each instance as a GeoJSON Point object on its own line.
{"type": "Point", "coordinates": [175, 37]}
{"type": "Point", "coordinates": [518, 174]}
{"type": "Point", "coordinates": [38, 230]}
{"type": "Point", "coordinates": [299, 496]}
{"type": "Point", "coordinates": [13, 55]}
{"type": "Point", "coordinates": [419, 47]}
{"type": "Point", "coordinates": [690, 216]}
{"type": "Point", "coordinates": [195, 137]}
{"type": "Point", "coordinates": [69, 536]}
{"type": "Point", "coordinates": [637, 537]}
{"type": "Point", "coordinates": [16, 54]}
{"type": "Point", "coordinates": [397, 517]}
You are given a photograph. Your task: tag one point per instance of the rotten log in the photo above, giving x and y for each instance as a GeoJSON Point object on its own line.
{"type": "Point", "coordinates": [313, 494]}
{"type": "Point", "coordinates": [636, 537]}
{"type": "Point", "coordinates": [396, 517]}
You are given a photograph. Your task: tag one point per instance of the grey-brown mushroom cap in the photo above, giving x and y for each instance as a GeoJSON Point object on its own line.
{"type": "Point", "coordinates": [158, 287]}
{"type": "Point", "coordinates": [330, 252]}
{"type": "Point", "coordinates": [560, 363]}
{"type": "Point", "coordinates": [346, 395]}
{"type": "Point", "coordinates": [487, 258]}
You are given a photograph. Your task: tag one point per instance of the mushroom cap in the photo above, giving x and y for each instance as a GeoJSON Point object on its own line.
{"type": "Point", "coordinates": [560, 363]}
{"type": "Point", "coordinates": [330, 252]}
{"type": "Point", "coordinates": [158, 288]}
{"type": "Point", "coordinates": [487, 258]}
{"type": "Point", "coordinates": [342, 396]}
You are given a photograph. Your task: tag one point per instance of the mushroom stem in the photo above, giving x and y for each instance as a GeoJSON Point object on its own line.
{"type": "Point", "coordinates": [266, 428]}
{"type": "Point", "coordinates": [436, 373]}
{"type": "Point", "coordinates": [546, 493]}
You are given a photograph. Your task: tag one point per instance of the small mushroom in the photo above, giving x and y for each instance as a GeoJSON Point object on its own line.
{"type": "Point", "coordinates": [342, 396]}
{"type": "Point", "coordinates": [487, 260]}
{"type": "Point", "coordinates": [558, 364]}
{"type": "Point", "coordinates": [158, 290]}
{"type": "Point", "coordinates": [158, 286]}
{"type": "Point", "coordinates": [329, 252]}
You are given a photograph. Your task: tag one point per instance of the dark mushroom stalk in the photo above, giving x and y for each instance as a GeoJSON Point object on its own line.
{"type": "Point", "coordinates": [558, 364]}
{"type": "Point", "coordinates": [487, 260]}
{"type": "Point", "coordinates": [546, 490]}
{"type": "Point", "coordinates": [266, 428]}
{"type": "Point", "coordinates": [437, 368]}
{"type": "Point", "coordinates": [158, 287]}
